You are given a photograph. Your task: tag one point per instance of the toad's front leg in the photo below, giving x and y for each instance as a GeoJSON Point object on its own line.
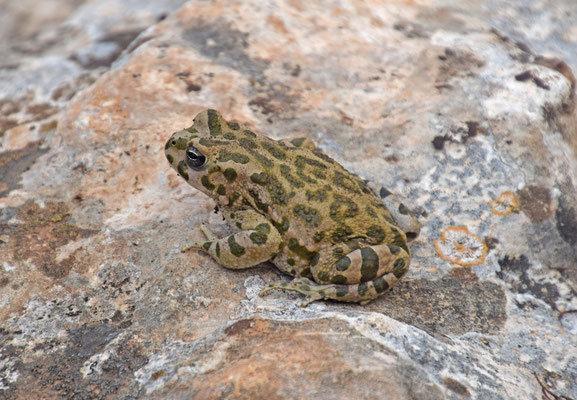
{"type": "Point", "coordinates": [255, 242]}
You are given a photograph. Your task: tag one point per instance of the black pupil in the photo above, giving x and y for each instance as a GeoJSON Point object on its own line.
{"type": "Point", "coordinates": [194, 158]}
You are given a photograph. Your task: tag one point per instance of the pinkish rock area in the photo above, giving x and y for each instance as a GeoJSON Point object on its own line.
{"type": "Point", "coordinates": [465, 109]}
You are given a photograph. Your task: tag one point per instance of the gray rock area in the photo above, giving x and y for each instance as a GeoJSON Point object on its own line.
{"type": "Point", "coordinates": [465, 109]}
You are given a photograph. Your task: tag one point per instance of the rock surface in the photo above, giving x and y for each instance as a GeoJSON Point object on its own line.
{"type": "Point", "coordinates": [465, 109]}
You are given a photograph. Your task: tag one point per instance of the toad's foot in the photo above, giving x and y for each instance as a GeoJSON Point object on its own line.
{"type": "Point", "coordinates": [200, 244]}
{"type": "Point", "coordinates": [312, 290]}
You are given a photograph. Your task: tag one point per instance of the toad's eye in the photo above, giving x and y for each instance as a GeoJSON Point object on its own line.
{"type": "Point", "coordinates": [194, 158]}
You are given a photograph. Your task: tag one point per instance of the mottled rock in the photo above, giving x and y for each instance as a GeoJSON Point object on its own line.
{"type": "Point", "coordinates": [465, 109]}
{"type": "Point", "coordinates": [256, 358]}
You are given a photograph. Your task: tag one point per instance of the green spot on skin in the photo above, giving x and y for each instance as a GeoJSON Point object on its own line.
{"type": "Point", "coordinates": [233, 197]}
{"type": "Point", "coordinates": [204, 141]}
{"type": "Point", "coordinates": [338, 252]}
{"type": "Point", "coordinates": [381, 284]}
{"type": "Point", "coordinates": [206, 245]}
{"type": "Point", "coordinates": [182, 170]}
{"type": "Point", "coordinates": [249, 133]}
{"type": "Point", "coordinates": [213, 169]}
{"type": "Point", "coordinates": [181, 143]}
{"type": "Point", "coordinates": [343, 264]}
{"type": "Point", "coordinates": [221, 190]}
{"type": "Point", "coordinates": [390, 220]}
{"type": "Point", "coordinates": [377, 233]}
{"type": "Point", "coordinates": [342, 208]}
{"type": "Point", "coordinates": [170, 158]}
{"type": "Point", "coordinates": [306, 272]}
{"type": "Point", "coordinates": [342, 290]}
{"type": "Point", "coordinates": [399, 268]}
{"type": "Point", "coordinates": [315, 259]}
{"type": "Point", "coordinates": [323, 277]}
{"type": "Point", "coordinates": [341, 234]}
{"type": "Point", "coordinates": [363, 289]}
{"type": "Point", "coordinates": [234, 126]}
{"type": "Point", "coordinates": [318, 237]}
{"type": "Point", "coordinates": [257, 202]}
{"type": "Point", "coordinates": [399, 239]}
{"type": "Point", "coordinates": [305, 288]}
{"type": "Point", "coordinates": [306, 178]}
{"type": "Point", "coordinates": [258, 238]}
{"type": "Point", "coordinates": [229, 136]}
{"type": "Point", "coordinates": [394, 249]}
{"type": "Point", "coordinates": [353, 245]}
{"type": "Point", "coordinates": [345, 182]}
{"type": "Point", "coordinates": [238, 225]}
{"type": "Point", "coordinates": [323, 156]}
{"type": "Point", "coordinates": [214, 124]}
{"type": "Point", "coordinates": [206, 182]}
{"type": "Point", "coordinates": [364, 187]}
{"type": "Point", "coordinates": [291, 262]}
{"type": "Point", "coordinates": [274, 150]}
{"type": "Point", "coordinates": [310, 216]}
{"type": "Point", "coordinates": [230, 174]}
{"type": "Point", "coordinates": [298, 141]}
{"type": "Point", "coordinates": [300, 250]}
{"type": "Point", "coordinates": [301, 162]}
{"type": "Point", "coordinates": [339, 280]}
{"type": "Point", "coordinates": [277, 193]}
{"type": "Point", "coordinates": [283, 226]}
{"type": "Point", "coordinates": [264, 228]}
{"type": "Point", "coordinates": [403, 209]}
{"type": "Point", "coordinates": [217, 250]}
{"type": "Point", "coordinates": [319, 174]}
{"type": "Point", "coordinates": [319, 195]}
{"type": "Point", "coordinates": [261, 178]}
{"type": "Point", "coordinates": [370, 264]}
{"type": "Point", "coordinates": [252, 147]}
{"type": "Point", "coordinates": [285, 172]}
{"type": "Point", "coordinates": [239, 158]}
{"type": "Point", "coordinates": [235, 248]}
{"type": "Point", "coordinates": [371, 213]}
{"type": "Point", "coordinates": [262, 159]}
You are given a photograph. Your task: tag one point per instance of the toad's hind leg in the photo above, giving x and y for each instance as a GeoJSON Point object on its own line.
{"type": "Point", "coordinates": [361, 293]}
{"type": "Point", "coordinates": [401, 214]}
{"type": "Point", "coordinates": [395, 262]}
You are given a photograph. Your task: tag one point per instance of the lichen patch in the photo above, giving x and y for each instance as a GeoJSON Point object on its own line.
{"type": "Point", "coordinates": [505, 204]}
{"type": "Point", "coordinates": [459, 246]}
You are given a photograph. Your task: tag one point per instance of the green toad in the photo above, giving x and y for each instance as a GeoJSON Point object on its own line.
{"type": "Point", "coordinates": [289, 203]}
